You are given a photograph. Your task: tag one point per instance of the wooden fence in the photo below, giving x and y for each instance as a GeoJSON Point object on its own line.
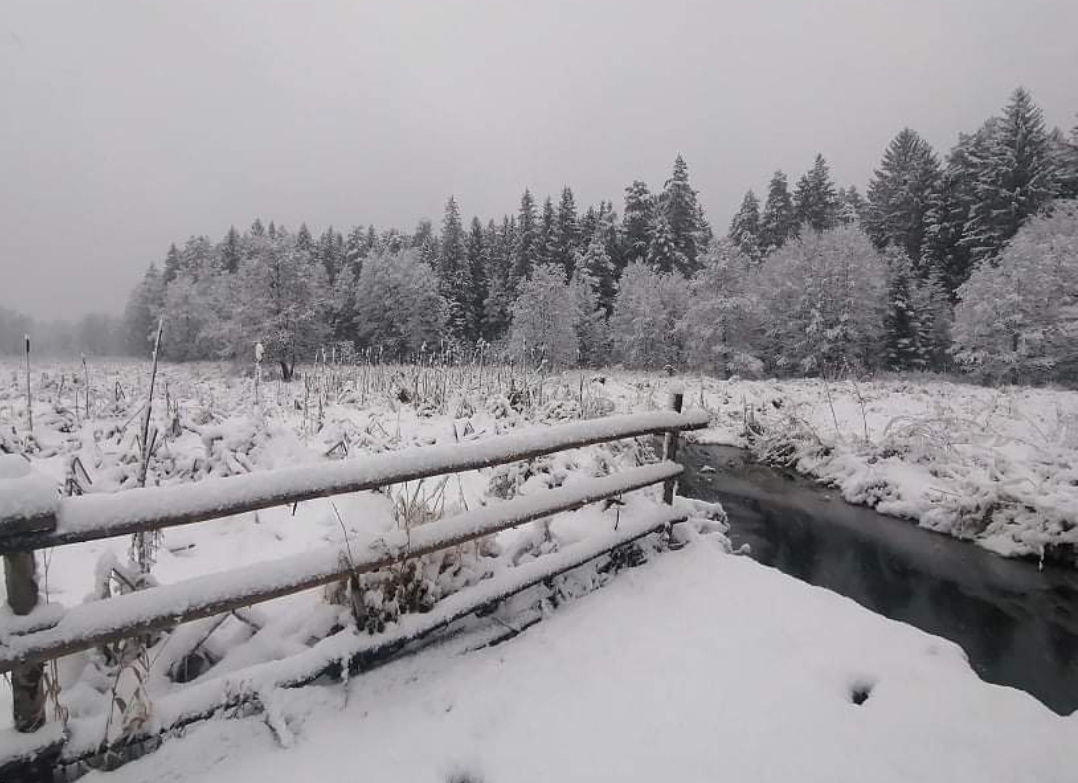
{"type": "Point", "coordinates": [33, 638]}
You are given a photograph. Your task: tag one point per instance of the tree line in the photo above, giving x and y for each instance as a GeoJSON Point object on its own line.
{"type": "Point", "coordinates": [941, 263]}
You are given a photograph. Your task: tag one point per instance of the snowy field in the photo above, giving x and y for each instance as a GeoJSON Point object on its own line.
{"type": "Point", "coordinates": [767, 659]}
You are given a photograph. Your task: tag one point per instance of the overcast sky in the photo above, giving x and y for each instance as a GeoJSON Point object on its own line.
{"type": "Point", "coordinates": [125, 126]}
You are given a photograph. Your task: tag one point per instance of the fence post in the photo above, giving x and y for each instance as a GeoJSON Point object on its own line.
{"type": "Point", "coordinates": [670, 446]}
{"type": "Point", "coordinates": [28, 693]}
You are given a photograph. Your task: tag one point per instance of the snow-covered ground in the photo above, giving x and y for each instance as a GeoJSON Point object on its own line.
{"type": "Point", "coordinates": [696, 646]}
{"type": "Point", "coordinates": [697, 666]}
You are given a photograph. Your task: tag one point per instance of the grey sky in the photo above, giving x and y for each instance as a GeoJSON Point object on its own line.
{"type": "Point", "coordinates": [127, 125]}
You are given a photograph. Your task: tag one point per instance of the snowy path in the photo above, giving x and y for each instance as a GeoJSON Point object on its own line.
{"type": "Point", "coordinates": [695, 667]}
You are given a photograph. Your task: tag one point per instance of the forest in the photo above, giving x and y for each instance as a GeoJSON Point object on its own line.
{"type": "Point", "coordinates": [965, 262]}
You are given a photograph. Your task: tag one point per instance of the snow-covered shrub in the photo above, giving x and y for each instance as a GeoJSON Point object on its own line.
{"type": "Point", "coordinates": [1017, 317]}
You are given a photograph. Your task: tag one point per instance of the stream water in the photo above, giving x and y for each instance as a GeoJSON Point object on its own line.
{"type": "Point", "coordinates": [1018, 623]}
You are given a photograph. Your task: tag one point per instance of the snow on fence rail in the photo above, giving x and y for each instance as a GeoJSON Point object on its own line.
{"type": "Point", "coordinates": [27, 642]}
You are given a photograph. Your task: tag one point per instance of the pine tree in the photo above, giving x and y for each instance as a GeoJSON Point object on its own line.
{"type": "Point", "coordinates": [478, 269]}
{"type": "Point", "coordinates": [546, 238]}
{"type": "Point", "coordinates": [497, 309]}
{"type": "Point", "coordinates": [589, 317]}
{"type": "Point", "coordinates": [637, 220]}
{"type": "Point", "coordinates": [596, 264]}
{"type": "Point", "coordinates": [678, 204]}
{"type": "Point", "coordinates": [526, 233]}
{"type": "Point", "coordinates": [815, 200]}
{"type": "Point", "coordinates": [566, 238]}
{"type": "Point", "coordinates": [355, 250]}
{"type": "Point", "coordinates": [257, 229]}
{"type": "Point", "coordinates": [1014, 176]}
{"type": "Point", "coordinates": [851, 206]}
{"type": "Point", "coordinates": [304, 240]}
{"type": "Point", "coordinates": [745, 227]}
{"type": "Point", "coordinates": [231, 251]}
{"type": "Point", "coordinates": [329, 252]}
{"type": "Point", "coordinates": [663, 255]}
{"type": "Point", "coordinates": [778, 223]}
{"type": "Point", "coordinates": [173, 264]}
{"type": "Point", "coordinates": [900, 194]}
{"type": "Point", "coordinates": [454, 275]}
{"type": "Point", "coordinates": [589, 221]}
{"type": "Point", "coordinates": [1064, 154]}
{"type": "Point", "coordinates": [902, 350]}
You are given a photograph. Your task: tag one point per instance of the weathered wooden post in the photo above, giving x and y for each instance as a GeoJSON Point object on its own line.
{"type": "Point", "coordinates": [28, 503]}
{"type": "Point", "coordinates": [670, 443]}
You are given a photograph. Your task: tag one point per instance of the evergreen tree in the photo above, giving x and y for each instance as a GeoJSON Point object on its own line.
{"type": "Point", "coordinates": [663, 255]}
{"type": "Point", "coordinates": [371, 243]}
{"type": "Point", "coordinates": [745, 227]}
{"type": "Point", "coordinates": [778, 224]}
{"type": "Point", "coordinates": [851, 206]}
{"type": "Point", "coordinates": [526, 235]}
{"type": "Point", "coordinates": [342, 303]}
{"type": "Point", "coordinates": [566, 238]}
{"type": "Point", "coordinates": [329, 252]}
{"type": "Point", "coordinates": [173, 264]}
{"type": "Point", "coordinates": [589, 317]}
{"type": "Point", "coordinates": [546, 240]}
{"type": "Point", "coordinates": [1064, 154]}
{"type": "Point", "coordinates": [304, 240]}
{"type": "Point", "coordinates": [815, 200]}
{"type": "Point", "coordinates": [589, 221]}
{"type": "Point", "coordinates": [497, 309]}
{"type": "Point", "coordinates": [355, 250]}
{"type": "Point", "coordinates": [454, 274]}
{"type": "Point", "coordinates": [257, 229]}
{"type": "Point", "coordinates": [902, 348]}
{"type": "Point", "coordinates": [900, 194]}
{"type": "Point", "coordinates": [478, 268]}
{"type": "Point", "coordinates": [1014, 176]}
{"type": "Point", "coordinates": [231, 251]}
{"type": "Point", "coordinates": [949, 205]}
{"type": "Point", "coordinates": [596, 264]}
{"type": "Point", "coordinates": [613, 241]}
{"type": "Point", "coordinates": [637, 220]}
{"type": "Point", "coordinates": [679, 206]}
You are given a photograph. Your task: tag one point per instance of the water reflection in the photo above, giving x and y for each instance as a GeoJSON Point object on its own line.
{"type": "Point", "coordinates": [1017, 624]}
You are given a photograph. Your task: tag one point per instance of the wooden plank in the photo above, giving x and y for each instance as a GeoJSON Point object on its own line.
{"type": "Point", "coordinates": [28, 693]}
{"type": "Point", "coordinates": [132, 614]}
{"type": "Point", "coordinates": [670, 447]}
{"type": "Point", "coordinates": [92, 517]}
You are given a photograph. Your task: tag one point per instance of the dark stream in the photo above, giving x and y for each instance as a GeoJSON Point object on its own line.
{"type": "Point", "coordinates": [1017, 623]}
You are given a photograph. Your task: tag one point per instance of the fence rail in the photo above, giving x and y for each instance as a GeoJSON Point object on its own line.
{"type": "Point", "coordinates": [30, 638]}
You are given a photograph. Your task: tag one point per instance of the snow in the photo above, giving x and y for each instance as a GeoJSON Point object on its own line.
{"type": "Point", "coordinates": [83, 626]}
{"type": "Point", "coordinates": [24, 494]}
{"type": "Point", "coordinates": [697, 666]}
{"type": "Point", "coordinates": [104, 515]}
